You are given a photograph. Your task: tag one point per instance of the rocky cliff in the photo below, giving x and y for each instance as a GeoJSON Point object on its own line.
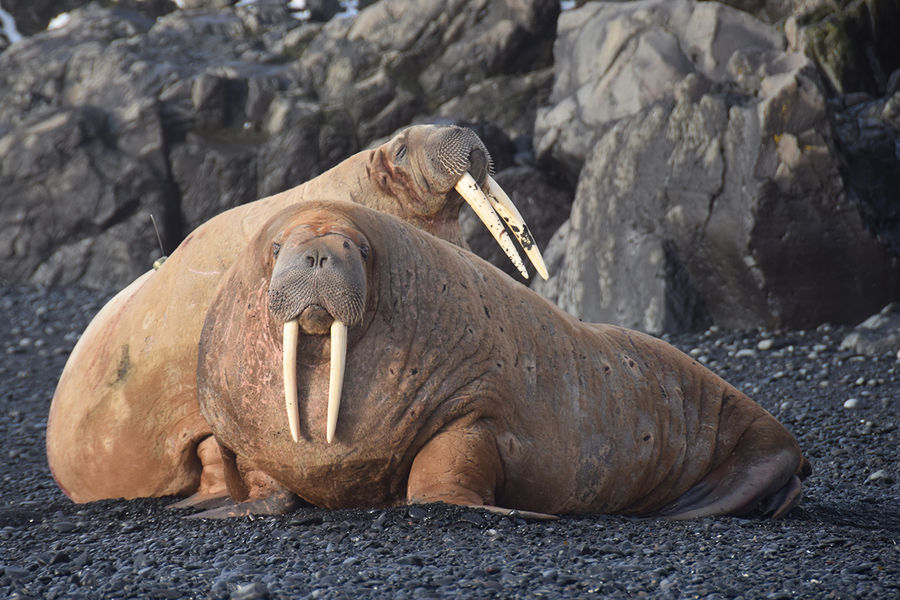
{"type": "Point", "coordinates": [684, 163]}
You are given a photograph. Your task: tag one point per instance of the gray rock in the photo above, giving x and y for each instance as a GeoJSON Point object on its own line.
{"type": "Point", "coordinates": [853, 42]}
{"type": "Point", "coordinates": [615, 59]}
{"type": "Point", "coordinates": [510, 102]}
{"type": "Point", "coordinates": [188, 114]}
{"type": "Point", "coordinates": [868, 131]}
{"type": "Point", "coordinates": [773, 11]}
{"type": "Point", "coordinates": [92, 226]}
{"type": "Point", "coordinates": [879, 334]}
{"type": "Point", "coordinates": [711, 190]}
{"type": "Point", "coordinates": [398, 59]}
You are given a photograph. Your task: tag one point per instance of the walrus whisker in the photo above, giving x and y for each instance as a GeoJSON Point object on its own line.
{"type": "Point", "coordinates": [470, 191]}
{"type": "Point", "coordinates": [289, 353]}
{"type": "Point", "coordinates": [336, 376]}
{"type": "Point", "coordinates": [509, 213]}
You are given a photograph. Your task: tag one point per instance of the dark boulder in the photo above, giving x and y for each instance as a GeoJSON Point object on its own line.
{"type": "Point", "coordinates": [205, 109]}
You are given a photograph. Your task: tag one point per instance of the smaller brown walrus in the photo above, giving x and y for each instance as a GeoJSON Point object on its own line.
{"type": "Point", "coordinates": [412, 371]}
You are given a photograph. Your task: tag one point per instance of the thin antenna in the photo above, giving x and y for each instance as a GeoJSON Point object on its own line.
{"type": "Point", "coordinates": [159, 261]}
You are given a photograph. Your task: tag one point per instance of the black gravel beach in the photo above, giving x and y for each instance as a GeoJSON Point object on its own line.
{"type": "Point", "coordinates": [843, 541]}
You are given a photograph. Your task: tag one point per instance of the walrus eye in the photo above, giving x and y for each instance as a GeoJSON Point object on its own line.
{"type": "Point", "coordinates": [364, 250]}
{"type": "Point", "coordinates": [401, 152]}
{"type": "Point", "coordinates": [275, 248]}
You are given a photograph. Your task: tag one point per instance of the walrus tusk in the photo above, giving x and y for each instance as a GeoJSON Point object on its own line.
{"type": "Point", "coordinates": [289, 354]}
{"type": "Point", "coordinates": [336, 379]}
{"type": "Point", "coordinates": [478, 200]}
{"type": "Point", "coordinates": [509, 213]}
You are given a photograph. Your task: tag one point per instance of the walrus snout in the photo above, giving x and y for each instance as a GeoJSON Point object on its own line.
{"type": "Point", "coordinates": [452, 151]}
{"type": "Point", "coordinates": [318, 284]}
{"type": "Point", "coordinates": [327, 272]}
{"type": "Point", "coordinates": [461, 157]}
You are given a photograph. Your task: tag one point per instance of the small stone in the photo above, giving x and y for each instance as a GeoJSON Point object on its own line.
{"type": "Point", "coordinates": [851, 403]}
{"type": "Point", "coordinates": [475, 518]}
{"type": "Point", "coordinates": [880, 476]}
{"type": "Point", "coordinates": [417, 512]}
{"type": "Point", "coordinates": [765, 344]}
{"type": "Point", "coordinates": [745, 353]}
{"type": "Point", "coordinates": [65, 526]}
{"type": "Point", "coordinates": [411, 559]}
{"type": "Point", "coordinates": [14, 572]}
{"type": "Point", "coordinates": [379, 522]}
{"type": "Point", "coordinates": [251, 591]}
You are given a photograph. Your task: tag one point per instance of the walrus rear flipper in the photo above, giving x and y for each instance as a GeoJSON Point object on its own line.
{"type": "Point", "coordinates": [735, 487]}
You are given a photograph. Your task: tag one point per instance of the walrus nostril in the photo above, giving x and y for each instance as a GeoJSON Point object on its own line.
{"type": "Point", "coordinates": [479, 163]}
{"type": "Point", "coordinates": [315, 260]}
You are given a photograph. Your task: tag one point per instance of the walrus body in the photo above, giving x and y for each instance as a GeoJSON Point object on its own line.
{"type": "Point", "coordinates": [464, 386]}
{"type": "Point", "coordinates": [124, 421]}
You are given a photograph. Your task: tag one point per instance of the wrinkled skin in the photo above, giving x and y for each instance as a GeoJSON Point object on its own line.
{"type": "Point", "coordinates": [124, 421]}
{"type": "Point", "coordinates": [464, 386]}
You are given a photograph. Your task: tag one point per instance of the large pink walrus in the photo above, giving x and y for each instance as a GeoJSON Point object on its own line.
{"type": "Point", "coordinates": [124, 421]}
{"type": "Point", "coordinates": [353, 360]}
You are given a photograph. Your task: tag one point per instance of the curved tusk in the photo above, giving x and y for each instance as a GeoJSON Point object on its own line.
{"type": "Point", "coordinates": [336, 379]}
{"type": "Point", "coordinates": [478, 200]}
{"type": "Point", "coordinates": [289, 356]}
{"type": "Point", "coordinates": [509, 213]}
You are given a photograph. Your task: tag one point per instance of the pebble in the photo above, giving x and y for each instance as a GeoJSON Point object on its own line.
{"type": "Point", "coordinates": [745, 353]}
{"type": "Point", "coordinates": [418, 513]}
{"type": "Point", "coordinates": [851, 403]}
{"type": "Point", "coordinates": [765, 344]}
{"type": "Point", "coordinates": [251, 591]}
{"type": "Point", "coordinates": [15, 572]}
{"type": "Point", "coordinates": [880, 476]}
{"type": "Point", "coordinates": [65, 526]}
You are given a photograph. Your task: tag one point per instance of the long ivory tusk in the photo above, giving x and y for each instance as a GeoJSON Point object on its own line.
{"type": "Point", "coordinates": [289, 356]}
{"type": "Point", "coordinates": [477, 199]}
{"type": "Point", "coordinates": [336, 379]}
{"type": "Point", "coordinates": [509, 213]}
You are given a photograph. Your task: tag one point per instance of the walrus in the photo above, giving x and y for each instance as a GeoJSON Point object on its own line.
{"type": "Point", "coordinates": [124, 420]}
{"type": "Point", "coordinates": [350, 360]}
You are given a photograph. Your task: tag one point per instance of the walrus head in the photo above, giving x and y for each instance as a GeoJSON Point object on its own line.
{"type": "Point", "coordinates": [318, 285]}
{"type": "Point", "coordinates": [448, 159]}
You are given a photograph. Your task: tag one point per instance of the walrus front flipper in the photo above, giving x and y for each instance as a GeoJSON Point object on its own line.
{"type": "Point", "coordinates": [457, 466]}
{"type": "Point", "coordinates": [528, 515]}
{"type": "Point", "coordinates": [278, 503]}
{"type": "Point", "coordinates": [461, 466]}
{"type": "Point", "coordinates": [200, 501]}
